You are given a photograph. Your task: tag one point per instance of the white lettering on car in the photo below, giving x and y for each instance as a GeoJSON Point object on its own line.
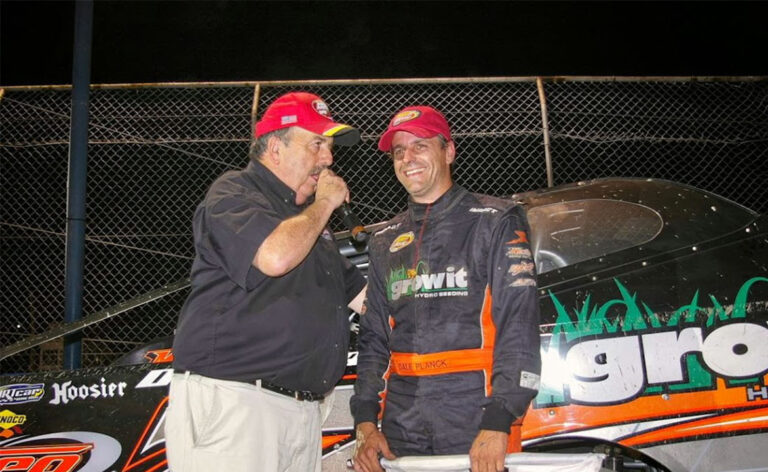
{"type": "Point", "coordinates": [66, 392]}
{"type": "Point", "coordinates": [616, 369]}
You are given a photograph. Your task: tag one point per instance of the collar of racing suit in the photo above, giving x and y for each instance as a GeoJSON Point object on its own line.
{"type": "Point", "coordinates": [420, 212]}
{"type": "Point", "coordinates": [438, 208]}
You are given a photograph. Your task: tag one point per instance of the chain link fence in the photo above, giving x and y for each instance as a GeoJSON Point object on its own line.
{"type": "Point", "coordinates": [153, 151]}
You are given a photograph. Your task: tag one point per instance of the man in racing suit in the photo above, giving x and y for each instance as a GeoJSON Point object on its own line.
{"type": "Point", "coordinates": [449, 342]}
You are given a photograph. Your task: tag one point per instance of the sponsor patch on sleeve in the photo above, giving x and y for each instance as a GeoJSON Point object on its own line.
{"type": "Point", "coordinates": [529, 380]}
{"type": "Point", "coordinates": [525, 268]}
{"type": "Point", "coordinates": [523, 282]}
{"type": "Point", "coordinates": [515, 252]}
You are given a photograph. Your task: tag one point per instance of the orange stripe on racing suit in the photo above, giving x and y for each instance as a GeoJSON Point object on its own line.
{"type": "Point", "coordinates": [437, 363]}
{"type": "Point", "coordinates": [460, 360]}
{"type": "Point", "coordinates": [385, 376]}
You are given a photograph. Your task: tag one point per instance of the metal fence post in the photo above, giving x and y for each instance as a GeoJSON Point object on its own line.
{"type": "Point", "coordinates": [545, 130]}
{"type": "Point", "coordinates": [153, 150]}
{"type": "Point", "coordinates": [255, 106]}
{"type": "Point", "coordinates": [76, 188]}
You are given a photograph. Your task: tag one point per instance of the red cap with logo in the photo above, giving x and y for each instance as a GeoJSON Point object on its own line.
{"type": "Point", "coordinates": [308, 111]}
{"type": "Point", "coordinates": [422, 121]}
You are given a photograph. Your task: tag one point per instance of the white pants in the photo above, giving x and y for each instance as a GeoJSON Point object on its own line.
{"type": "Point", "coordinates": [229, 426]}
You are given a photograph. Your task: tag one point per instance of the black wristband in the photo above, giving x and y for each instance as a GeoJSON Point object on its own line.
{"type": "Point", "coordinates": [496, 418]}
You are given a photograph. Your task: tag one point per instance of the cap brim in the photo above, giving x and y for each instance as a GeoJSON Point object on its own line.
{"type": "Point", "coordinates": [385, 142]}
{"type": "Point", "coordinates": [343, 135]}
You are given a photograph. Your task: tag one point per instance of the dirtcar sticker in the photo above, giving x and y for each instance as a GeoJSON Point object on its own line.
{"type": "Point", "coordinates": [613, 361]}
{"type": "Point", "coordinates": [67, 392]}
{"type": "Point", "coordinates": [21, 393]}
{"type": "Point", "coordinates": [402, 241]}
{"type": "Point", "coordinates": [60, 452]}
{"type": "Point", "coordinates": [404, 116]}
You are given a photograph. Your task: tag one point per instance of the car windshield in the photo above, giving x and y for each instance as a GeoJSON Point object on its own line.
{"type": "Point", "coordinates": [569, 232]}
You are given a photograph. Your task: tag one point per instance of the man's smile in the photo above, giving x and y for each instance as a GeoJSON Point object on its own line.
{"type": "Point", "coordinates": [412, 172]}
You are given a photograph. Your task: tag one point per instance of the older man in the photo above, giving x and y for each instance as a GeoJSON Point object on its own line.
{"type": "Point", "coordinates": [449, 345]}
{"type": "Point", "coordinates": [263, 334]}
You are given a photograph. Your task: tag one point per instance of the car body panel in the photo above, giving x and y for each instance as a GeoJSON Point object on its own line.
{"type": "Point", "coordinates": [654, 303]}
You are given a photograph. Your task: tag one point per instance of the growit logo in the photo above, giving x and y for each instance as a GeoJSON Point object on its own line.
{"type": "Point", "coordinates": [421, 283]}
{"type": "Point", "coordinates": [641, 352]}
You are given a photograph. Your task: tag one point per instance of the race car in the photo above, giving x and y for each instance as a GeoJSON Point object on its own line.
{"type": "Point", "coordinates": [654, 340]}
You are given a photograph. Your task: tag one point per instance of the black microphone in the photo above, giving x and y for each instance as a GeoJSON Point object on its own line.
{"type": "Point", "coordinates": [352, 222]}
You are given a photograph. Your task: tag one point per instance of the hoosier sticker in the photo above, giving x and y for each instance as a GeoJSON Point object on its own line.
{"type": "Point", "coordinates": [66, 392]}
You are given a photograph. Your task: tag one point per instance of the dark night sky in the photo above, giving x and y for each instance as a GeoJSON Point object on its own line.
{"type": "Point", "coordinates": [169, 41]}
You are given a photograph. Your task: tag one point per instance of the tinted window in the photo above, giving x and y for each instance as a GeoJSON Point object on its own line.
{"type": "Point", "coordinates": [569, 232]}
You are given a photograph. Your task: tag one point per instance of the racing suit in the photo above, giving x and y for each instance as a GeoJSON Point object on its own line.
{"type": "Point", "coordinates": [449, 343]}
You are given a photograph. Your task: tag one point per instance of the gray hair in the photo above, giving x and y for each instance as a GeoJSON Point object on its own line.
{"type": "Point", "coordinates": [259, 145]}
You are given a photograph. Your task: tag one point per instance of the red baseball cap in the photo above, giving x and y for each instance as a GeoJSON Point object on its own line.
{"type": "Point", "coordinates": [422, 121]}
{"type": "Point", "coordinates": [308, 111]}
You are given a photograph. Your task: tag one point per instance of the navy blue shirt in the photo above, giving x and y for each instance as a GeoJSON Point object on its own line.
{"type": "Point", "coordinates": [240, 324]}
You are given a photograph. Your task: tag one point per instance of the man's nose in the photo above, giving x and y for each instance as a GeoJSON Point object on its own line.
{"type": "Point", "coordinates": [408, 155]}
{"type": "Point", "coordinates": [325, 156]}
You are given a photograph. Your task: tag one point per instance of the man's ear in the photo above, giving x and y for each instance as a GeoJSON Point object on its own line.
{"type": "Point", "coordinates": [450, 152]}
{"type": "Point", "coordinates": [274, 149]}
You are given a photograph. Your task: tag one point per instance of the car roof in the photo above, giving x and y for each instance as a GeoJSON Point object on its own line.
{"type": "Point", "coordinates": [688, 213]}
